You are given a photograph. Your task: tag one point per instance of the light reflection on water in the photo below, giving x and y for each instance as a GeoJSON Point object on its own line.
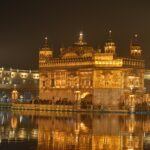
{"type": "Point", "coordinates": [74, 131]}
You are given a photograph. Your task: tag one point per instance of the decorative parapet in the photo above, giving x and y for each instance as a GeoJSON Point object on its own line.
{"type": "Point", "coordinates": [98, 61]}
{"type": "Point", "coordinates": [56, 62]}
{"type": "Point", "coordinates": [128, 62]}
{"type": "Point", "coordinates": [109, 63]}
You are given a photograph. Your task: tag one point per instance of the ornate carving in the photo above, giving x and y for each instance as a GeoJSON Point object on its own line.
{"type": "Point", "coordinates": [108, 79]}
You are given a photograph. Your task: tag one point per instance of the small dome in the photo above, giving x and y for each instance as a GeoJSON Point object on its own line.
{"type": "Point", "coordinates": [70, 55]}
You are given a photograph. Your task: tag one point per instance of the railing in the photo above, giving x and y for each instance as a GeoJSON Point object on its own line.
{"type": "Point", "coordinates": [45, 107]}
{"type": "Point", "coordinates": [69, 108]}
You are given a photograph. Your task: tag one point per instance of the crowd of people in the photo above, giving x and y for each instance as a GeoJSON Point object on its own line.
{"type": "Point", "coordinates": [64, 101]}
{"type": "Point", "coordinates": [54, 102]}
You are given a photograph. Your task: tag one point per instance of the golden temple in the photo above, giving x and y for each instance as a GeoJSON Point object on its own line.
{"type": "Point", "coordinates": [100, 78]}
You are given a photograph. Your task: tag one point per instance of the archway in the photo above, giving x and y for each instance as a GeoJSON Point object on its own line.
{"type": "Point", "coordinates": [86, 99]}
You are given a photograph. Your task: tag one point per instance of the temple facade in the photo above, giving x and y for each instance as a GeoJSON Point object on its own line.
{"type": "Point", "coordinates": [99, 77]}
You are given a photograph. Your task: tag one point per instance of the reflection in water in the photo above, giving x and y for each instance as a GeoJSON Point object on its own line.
{"type": "Point", "coordinates": [76, 131]}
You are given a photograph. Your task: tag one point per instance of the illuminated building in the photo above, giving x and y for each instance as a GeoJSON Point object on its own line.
{"type": "Point", "coordinates": [23, 82]}
{"type": "Point", "coordinates": [147, 80]}
{"type": "Point", "coordinates": [82, 73]}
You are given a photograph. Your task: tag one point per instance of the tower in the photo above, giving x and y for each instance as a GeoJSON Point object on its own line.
{"type": "Point", "coordinates": [45, 52]}
{"type": "Point", "coordinates": [135, 48]}
{"type": "Point", "coordinates": [110, 46]}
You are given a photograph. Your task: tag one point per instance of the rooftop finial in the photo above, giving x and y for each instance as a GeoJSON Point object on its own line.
{"type": "Point", "coordinates": [80, 40]}
{"type": "Point", "coordinates": [110, 33]}
{"type": "Point", "coordinates": [109, 36]}
{"type": "Point", "coordinates": [135, 35]}
{"type": "Point", "coordinates": [81, 37]}
{"type": "Point", "coordinates": [46, 38]}
{"type": "Point", "coordinates": [46, 41]}
{"type": "Point", "coordinates": [135, 40]}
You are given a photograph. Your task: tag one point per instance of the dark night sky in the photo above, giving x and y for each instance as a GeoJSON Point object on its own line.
{"type": "Point", "coordinates": [24, 23]}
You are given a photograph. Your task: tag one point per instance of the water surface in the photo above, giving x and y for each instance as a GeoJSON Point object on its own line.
{"type": "Point", "coordinates": [30, 130]}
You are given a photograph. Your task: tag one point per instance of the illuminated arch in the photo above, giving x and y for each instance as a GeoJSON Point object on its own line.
{"type": "Point", "coordinates": [83, 95]}
{"type": "Point", "coordinates": [86, 97]}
